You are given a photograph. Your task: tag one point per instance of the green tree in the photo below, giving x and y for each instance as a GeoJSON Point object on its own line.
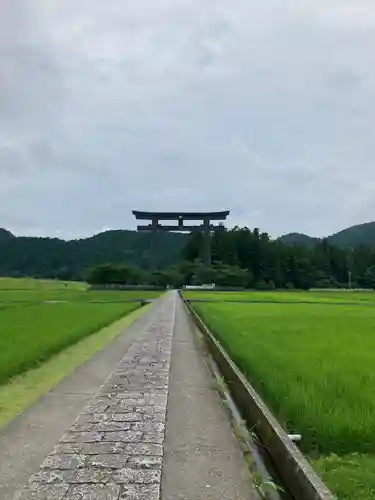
{"type": "Point", "coordinates": [106, 274]}
{"type": "Point", "coordinates": [232, 276]}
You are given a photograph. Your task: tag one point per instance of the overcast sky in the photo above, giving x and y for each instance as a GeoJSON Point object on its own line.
{"type": "Point", "coordinates": [264, 108]}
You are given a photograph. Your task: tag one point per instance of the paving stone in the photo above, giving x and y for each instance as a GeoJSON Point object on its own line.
{"type": "Point", "coordinates": [154, 417]}
{"type": "Point", "coordinates": [126, 417]}
{"type": "Point", "coordinates": [92, 475]}
{"type": "Point", "coordinates": [82, 437]}
{"type": "Point", "coordinates": [157, 400]}
{"type": "Point", "coordinates": [124, 408]}
{"type": "Point", "coordinates": [93, 492]}
{"type": "Point", "coordinates": [142, 394]}
{"type": "Point", "coordinates": [139, 476]}
{"type": "Point", "coordinates": [64, 462]}
{"type": "Point", "coordinates": [43, 492]}
{"type": "Point", "coordinates": [153, 385]}
{"type": "Point", "coordinates": [138, 417]}
{"type": "Point", "coordinates": [148, 426]}
{"type": "Point", "coordinates": [95, 407]}
{"type": "Point", "coordinates": [125, 402]}
{"type": "Point", "coordinates": [122, 436]}
{"type": "Point", "coordinates": [82, 427]}
{"type": "Point", "coordinates": [121, 389]}
{"type": "Point", "coordinates": [45, 476]}
{"type": "Point", "coordinates": [110, 460]}
{"type": "Point", "coordinates": [112, 426]}
{"type": "Point", "coordinates": [67, 448]}
{"type": "Point", "coordinates": [143, 449]}
{"type": "Point", "coordinates": [102, 448]}
{"type": "Point", "coordinates": [153, 437]}
{"type": "Point", "coordinates": [143, 410]}
{"type": "Point", "coordinates": [92, 418]}
{"type": "Point", "coordinates": [145, 462]}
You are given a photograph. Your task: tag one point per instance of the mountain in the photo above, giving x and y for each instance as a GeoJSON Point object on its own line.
{"type": "Point", "coordinates": [53, 257]}
{"type": "Point", "coordinates": [355, 236]}
{"type": "Point", "coordinates": [352, 237]}
{"type": "Point", "coordinates": [5, 235]}
{"type": "Point", "coordinates": [298, 239]}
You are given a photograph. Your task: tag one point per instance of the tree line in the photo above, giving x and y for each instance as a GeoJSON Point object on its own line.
{"type": "Point", "coordinates": [242, 257]}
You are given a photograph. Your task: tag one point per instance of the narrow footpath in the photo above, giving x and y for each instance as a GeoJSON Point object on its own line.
{"type": "Point", "coordinates": [202, 458]}
{"type": "Point", "coordinates": [152, 429]}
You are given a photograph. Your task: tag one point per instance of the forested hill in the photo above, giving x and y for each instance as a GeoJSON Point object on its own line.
{"type": "Point", "coordinates": [298, 239]}
{"type": "Point", "coordinates": [56, 258]}
{"type": "Point", "coordinates": [352, 237]}
{"type": "Point", "coordinates": [355, 236]}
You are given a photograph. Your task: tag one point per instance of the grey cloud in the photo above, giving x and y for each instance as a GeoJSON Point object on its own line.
{"type": "Point", "coordinates": [266, 109]}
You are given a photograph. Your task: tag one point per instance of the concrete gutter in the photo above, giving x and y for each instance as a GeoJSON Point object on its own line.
{"type": "Point", "coordinates": [291, 465]}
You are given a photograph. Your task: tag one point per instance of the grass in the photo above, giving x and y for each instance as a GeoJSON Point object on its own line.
{"type": "Point", "coordinates": [26, 389]}
{"type": "Point", "coordinates": [314, 366]}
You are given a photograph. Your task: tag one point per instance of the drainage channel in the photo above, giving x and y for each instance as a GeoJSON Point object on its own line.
{"type": "Point", "coordinates": [269, 483]}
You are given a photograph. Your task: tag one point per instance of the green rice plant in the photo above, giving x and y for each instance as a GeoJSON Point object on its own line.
{"type": "Point", "coordinates": [314, 366]}
{"type": "Point", "coordinates": [351, 477]}
{"type": "Point", "coordinates": [24, 390]}
{"type": "Point", "coordinates": [31, 335]}
{"type": "Point", "coordinates": [34, 296]}
{"type": "Point", "coordinates": [114, 296]}
{"type": "Point", "coordinates": [38, 318]}
{"type": "Point", "coordinates": [37, 284]}
{"type": "Point", "coordinates": [25, 290]}
{"type": "Point", "coordinates": [329, 297]}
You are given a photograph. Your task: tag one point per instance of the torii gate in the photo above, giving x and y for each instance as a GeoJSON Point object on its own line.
{"type": "Point", "coordinates": [154, 227]}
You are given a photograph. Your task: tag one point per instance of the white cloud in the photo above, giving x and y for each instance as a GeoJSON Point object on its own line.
{"type": "Point", "coordinates": [266, 109]}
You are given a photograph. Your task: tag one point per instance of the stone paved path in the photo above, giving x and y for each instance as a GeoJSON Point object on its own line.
{"type": "Point", "coordinates": [114, 449]}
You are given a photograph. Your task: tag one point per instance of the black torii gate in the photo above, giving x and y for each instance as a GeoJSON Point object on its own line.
{"type": "Point", "coordinates": [154, 227]}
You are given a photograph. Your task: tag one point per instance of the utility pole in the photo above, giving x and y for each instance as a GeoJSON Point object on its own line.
{"type": "Point", "coordinates": [349, 265]}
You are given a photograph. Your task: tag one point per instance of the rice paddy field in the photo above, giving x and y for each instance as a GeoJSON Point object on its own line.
{"type": "Point", "coordinates": [311, 355]}
{"type": "Point", "coordinates": [38, 319]}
